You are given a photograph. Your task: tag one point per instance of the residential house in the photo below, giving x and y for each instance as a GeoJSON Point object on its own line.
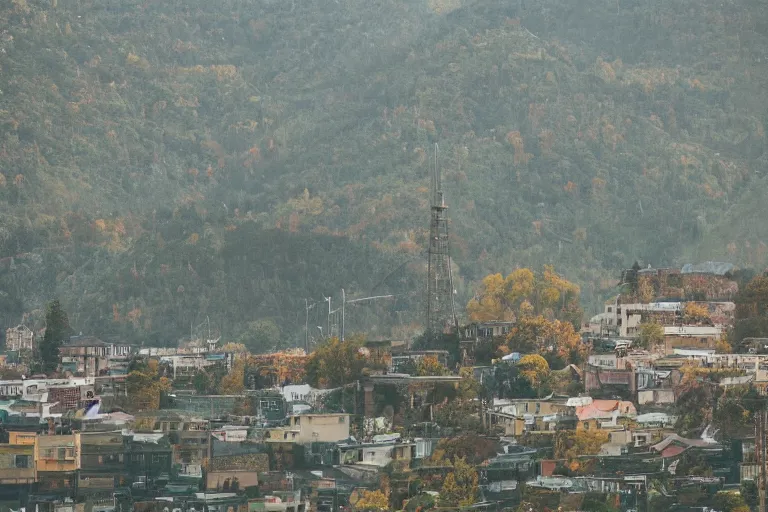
{"type": "Point", "coordinates": [604, 414]}
{"type": "Point", "coordinates": [383, 450]}
{"type": "Point", "coordinates": [57, 461]}
{"type": "Point", "coordinates": [518, 415]}
{"type": "Point", "coordinates": [691, 337]}
{"type": "Point", "coordinates": [17, 459]}
{"type": "Point", "coordinates": [624, 319]}
{"type": "Point", "coordinates": [149, 460]}
{"type": "Point", "coordinates": [188, 433]}
{"type": "Point", "coordinates": [475, 332]}
{"type": "Point", "coordinates": [102, 462]}
{"type": "Point", "coordinates": [19, 338]}
{"type": "Point", "coordinates": [674, 445]}
{"type": "Point", "coordinates": [309, 428]}
{"type": "Point", "coordinates": [85, 355]}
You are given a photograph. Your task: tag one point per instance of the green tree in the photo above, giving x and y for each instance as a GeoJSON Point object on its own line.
{"type": "Point", "coordinates": [651, 334]}
{"type": "Point", "coordinates": [57, 330]}
{"type": "Point", "coordinates": [460, 486]}
{"type": "Point", "coordinates": [261, 336]}
{"type": "Point", "coordinates": [750, 493]}
{"type": "Point", "coordinates": [202, 383]}
{"type": "Point", "coordinates": [725, 501]}
{"type": "Point", "coordinates": [693, 408]}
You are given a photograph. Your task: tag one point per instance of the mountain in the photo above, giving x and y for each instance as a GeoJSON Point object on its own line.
{"type": "Point", "coordinates": [164, 162]}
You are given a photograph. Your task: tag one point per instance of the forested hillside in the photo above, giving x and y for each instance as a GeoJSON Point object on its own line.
{"type": "Point", "coordinates": [164, 161]}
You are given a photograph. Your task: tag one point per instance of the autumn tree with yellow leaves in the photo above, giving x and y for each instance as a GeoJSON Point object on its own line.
{"type": "Point", "coordinates": [534, 369]}
{"type": "Point", "coordinates": [372, 501]}
{"type": "Point", "coordinates": [460, 487]}
{"type": "Point", "coordinates": [526, 293]}
{"type": "Point", "coordinates": [145, 385]}
{"type": "Point", "coordinates": [233, 383]}
{"type": "Point", "coordinates": [430, 366]}
{"type": "Point", "coordinates": [695, 312]}
{"type": "Point", "coordinates": [336, 363]}
{"type": "Point", "coordinates": [545, 309]}
{"type": "Point", "coordinates": [570, 445]}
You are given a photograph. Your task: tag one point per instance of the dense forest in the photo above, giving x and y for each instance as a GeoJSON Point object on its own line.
{"type": "Point", "coordinates": [166, 162]}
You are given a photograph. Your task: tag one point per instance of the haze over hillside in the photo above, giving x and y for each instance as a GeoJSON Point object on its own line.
{"type": "Point", "coordinates": [163, 161]}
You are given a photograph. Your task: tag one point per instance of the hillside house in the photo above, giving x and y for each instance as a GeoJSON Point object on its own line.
{"type": "Point", "coordinates": [57, 461]}
{"type": "Point", "coordinates": [604, 414]}
{"type": "Point", "coordinates": [310, 428]}
{"type": "Point", "coordinates": [85, 355]}
{"type": "Point", "coordinates": [102, 462]}
{"type": "Point", "coordinates": [19, 338]}
{"type": "Point", "coordinates": [17, 460]}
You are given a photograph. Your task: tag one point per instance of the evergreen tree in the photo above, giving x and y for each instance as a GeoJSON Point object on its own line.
{"type": "Point", "coordinates": [57, 329]}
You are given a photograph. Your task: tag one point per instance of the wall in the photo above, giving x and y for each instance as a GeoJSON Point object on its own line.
{"type": "Point", "coordinates": [245, 468]}
{"type": "Point", "coordinates": [595, 378]}
{"type": "Point", "coordinates": [656, 396]}
{"type": "Point", "coordinates": [672, 342]}
{"type": "Point", "coordinates": [215, 479]}
{"type": "Point", "coordinates": [321, 427]}
{"type": "Point", "coordinates": [22, 438]}
{"type": "Point", "coordinates": [536, 407]}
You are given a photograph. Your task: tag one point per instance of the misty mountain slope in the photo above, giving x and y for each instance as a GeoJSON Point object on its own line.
{"type": "Point", "coordinates": [585, 135]}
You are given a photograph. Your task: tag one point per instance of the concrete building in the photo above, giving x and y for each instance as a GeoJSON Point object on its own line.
{"type": "Point", "coordinates": [311, 428]}
{"type": "Point", "coordinates": [19, 338]}
{"type": "Point", "coordinates": [17, 459]}
{"type": "Point", "coordinates": [85, 355]}
{"type": "Point", "coordinates": [57, 459]}
{"type": "Point", "coordinates": [691, 336]}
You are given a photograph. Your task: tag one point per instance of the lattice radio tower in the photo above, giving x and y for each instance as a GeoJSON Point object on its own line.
{"type": "Point", "coordinates": [441, 312]}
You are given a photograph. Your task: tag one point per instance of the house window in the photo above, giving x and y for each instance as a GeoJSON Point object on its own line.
{"type": "Point", "coordinates": [538, 407]}
{"type": "Point", "coordinates": [610, 309]}
{"type": "Point", "coordinates": [526, 407]}
{"type": "Point", "coordinates": [298, 421]}
{"type": "Point", "coordinates": [173, 426]}
{"type": "Point", "coordinates": [586, 425]}
{"type": "Point", "coordinates": [22, 461]}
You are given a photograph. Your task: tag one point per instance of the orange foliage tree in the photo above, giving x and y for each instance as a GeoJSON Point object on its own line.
{"type": "Point", "coordinates": [524, 293]}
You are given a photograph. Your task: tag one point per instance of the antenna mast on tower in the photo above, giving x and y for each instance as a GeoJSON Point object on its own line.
{"type": "Point", "coordinates": [441, 312]}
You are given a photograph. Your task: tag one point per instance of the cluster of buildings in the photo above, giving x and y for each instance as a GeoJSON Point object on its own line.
{"type": "Point", "coordinates": [74, 444]}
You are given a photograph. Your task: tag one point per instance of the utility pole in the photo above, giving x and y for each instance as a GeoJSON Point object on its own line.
{"type": "Point", "coordinates": [343, 304]}
{"type": "Point", "coordinates": [760, 437]}
{"type": "Point", "coordinates": [307, 307]}
{"type": "Point", "coordinates": [328, 300]}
